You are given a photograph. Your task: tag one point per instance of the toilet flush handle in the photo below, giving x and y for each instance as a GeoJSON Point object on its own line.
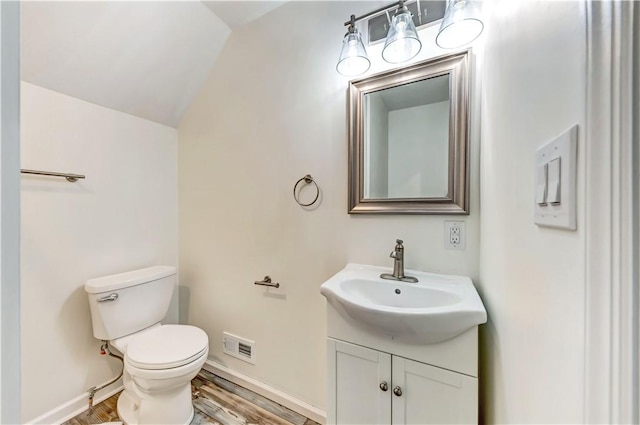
{"type": "Point", "coordinates": [111, 297]}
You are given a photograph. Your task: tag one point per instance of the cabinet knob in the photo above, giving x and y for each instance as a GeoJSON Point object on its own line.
{"type": "Point", "coordinates": [384, 386]}
{"type": "Point", "coordinates": [397, 391]}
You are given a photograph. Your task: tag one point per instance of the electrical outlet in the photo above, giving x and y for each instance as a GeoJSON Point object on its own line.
{"type": "Point", "coordinates": [454, 235]}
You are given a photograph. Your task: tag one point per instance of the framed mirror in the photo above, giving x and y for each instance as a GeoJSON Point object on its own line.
{"type": "Point", "coordinates": [408, 139]}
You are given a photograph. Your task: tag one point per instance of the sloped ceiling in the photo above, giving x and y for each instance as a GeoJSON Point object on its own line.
{"type": "Point", "coordinates": [146, 58]}
{"type": "Point", "coordinates": [239, 12]}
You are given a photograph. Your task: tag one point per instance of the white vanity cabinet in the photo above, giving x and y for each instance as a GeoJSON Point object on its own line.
{"type": "Point", "coordinates": [401, 352]}
{"type": "Point", "coordinates": [368, 386]}
{"type": "Point", "coordinates": [431, 395]}
{"type": "Point", "coordinates": [355, 374]}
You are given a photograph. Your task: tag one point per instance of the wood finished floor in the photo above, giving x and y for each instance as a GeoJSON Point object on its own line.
{"type": "Point", "coordinates": [217, 402]}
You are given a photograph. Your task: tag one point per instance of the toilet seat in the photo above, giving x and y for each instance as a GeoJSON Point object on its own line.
{"type": "Point", "coordinates": [167, 347]}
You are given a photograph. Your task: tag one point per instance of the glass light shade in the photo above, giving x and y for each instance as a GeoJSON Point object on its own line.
{"type": "Point", "coordinates": [353, 56]}
{"type": "Point", "coordinates": [402, 42]}
{"type": "Point", "coordinates": [461, 24]}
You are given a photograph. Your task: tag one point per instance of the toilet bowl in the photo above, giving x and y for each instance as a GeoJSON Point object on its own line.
{"type": "Point", "coordinates": [159, 364]}
{"type": "Point", "coordinates": [159, 360]}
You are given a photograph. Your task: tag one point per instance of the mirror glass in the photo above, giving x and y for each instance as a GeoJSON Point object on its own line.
{"type": "Point", "coordinates": [406, 140]}
{"type": "Point", "coordinates": [408, 147]}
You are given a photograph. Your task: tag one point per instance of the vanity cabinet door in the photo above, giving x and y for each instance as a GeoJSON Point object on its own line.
{"type": "Point", "coordinates": [359, 385]}
{"type": "Point", "coordinates": [424, 394]}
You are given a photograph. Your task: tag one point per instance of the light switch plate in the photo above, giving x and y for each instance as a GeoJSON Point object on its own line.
{"type": "Point", "coordinates": [560, 215]}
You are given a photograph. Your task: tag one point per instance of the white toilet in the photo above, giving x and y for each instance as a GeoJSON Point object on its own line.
{"type": "Point", "coordinates": [159, 360]}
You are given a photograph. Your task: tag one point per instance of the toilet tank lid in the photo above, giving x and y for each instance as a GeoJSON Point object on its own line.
{"type": "Point", "coordinates": [127, 279]}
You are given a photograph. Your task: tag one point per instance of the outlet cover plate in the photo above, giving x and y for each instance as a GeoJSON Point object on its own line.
{"type": "Point", "coordinates": [455, 235]}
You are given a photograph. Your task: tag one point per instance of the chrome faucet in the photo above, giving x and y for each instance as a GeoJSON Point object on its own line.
{"type": "Point", "coordinates": [398, 265]}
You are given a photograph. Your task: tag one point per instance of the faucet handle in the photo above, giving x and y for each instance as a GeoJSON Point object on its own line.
{"type": "Point", "coordinates": [399, 241]}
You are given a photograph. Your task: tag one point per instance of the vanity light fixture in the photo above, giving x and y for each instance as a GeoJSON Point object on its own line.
{"type": "Point", "coordinates": [402, 42]}
{"type": "Point", "coordinates": [401, 45]}
{"type": "Point", "coordinates": [461, 24]}
{"type": "Point", "coordinates": [353, 56]}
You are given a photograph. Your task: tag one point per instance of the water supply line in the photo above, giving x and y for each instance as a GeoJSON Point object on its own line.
{"type": "Point", "coordinates": [104, 349]}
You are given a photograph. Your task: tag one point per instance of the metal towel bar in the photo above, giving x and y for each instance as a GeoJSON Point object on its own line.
{"type": "Point", "coordinates": [70, 177]}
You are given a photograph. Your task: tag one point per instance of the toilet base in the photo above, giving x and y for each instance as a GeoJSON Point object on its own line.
{"type": "Point", "coordinates": [173, 407]}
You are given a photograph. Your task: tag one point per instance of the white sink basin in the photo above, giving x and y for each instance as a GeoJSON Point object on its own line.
{"type": "Point", "coordinates": [437, 308]}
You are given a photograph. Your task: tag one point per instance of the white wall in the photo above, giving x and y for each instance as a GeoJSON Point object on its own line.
{"type": "Point", "coordinates": [273, 110]}
{"type": "Point", "coordinates": [419, 151]}
{"type": "Point", "coordinates": [531, 278]}
{"type": "Point", "coordinates": [122, 217]}
{"type": "Point", "coordinates": [10, 213]}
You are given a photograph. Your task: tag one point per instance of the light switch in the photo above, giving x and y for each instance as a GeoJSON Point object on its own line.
{"type": "Point", "coordinates": [541, 184]}
{"type": "Point", "coordinates": [554, 182]}
{"type": "Point", "coordinates": [560, 156]}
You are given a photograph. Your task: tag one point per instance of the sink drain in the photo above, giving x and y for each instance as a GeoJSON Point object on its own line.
{"type": "Point", "coordinates": [397, 291]}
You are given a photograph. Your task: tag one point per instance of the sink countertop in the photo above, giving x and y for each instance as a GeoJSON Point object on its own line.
{"type": "Point", "coordinates": [436, 308]}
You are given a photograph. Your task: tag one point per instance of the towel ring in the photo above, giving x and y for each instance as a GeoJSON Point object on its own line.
{"type": "Point", "coordinates": [308, 180]}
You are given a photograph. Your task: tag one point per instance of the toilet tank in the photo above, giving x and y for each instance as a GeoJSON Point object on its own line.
{"type": "Point", "coordinates": [124, 303]}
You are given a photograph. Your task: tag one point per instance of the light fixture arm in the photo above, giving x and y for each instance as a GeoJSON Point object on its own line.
{"type": "Point", "coordinates": [401, 7]}
{"type": "Point", "coordinates": [352, 25]}
{"type": "Point", "coordinates": [355, 19]}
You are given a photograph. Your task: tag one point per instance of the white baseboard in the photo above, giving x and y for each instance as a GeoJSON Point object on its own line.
{"type": "Point", "coordinates": [79, 404]}
{"type": "Point", "coordinates": [299, 406]}
{"type": "Point", "coordinates": [76, 406]}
